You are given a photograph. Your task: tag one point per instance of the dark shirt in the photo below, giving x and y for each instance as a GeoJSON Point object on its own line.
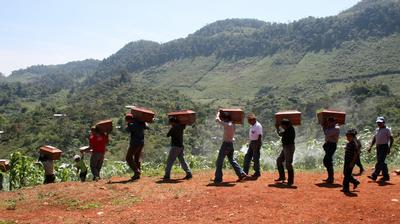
{"type": "Point", "coordinates": [44, 157]}
{"type": "Point", "coordinates": [176, 134]}
{"type": "Point", "coordinates": [136, 128]}
{"type": "Point", "coordinates": [350, 151]}
{"type": "Point", "coordinates": [288, 136]}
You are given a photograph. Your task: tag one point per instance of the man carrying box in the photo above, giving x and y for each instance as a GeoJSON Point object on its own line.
{"type": "Point", "coordinates": [288, 136]}
{"type": "Point", "coordinates": [384, 140]}
{"type": "Point", "coordinates": [253, 152]}
{"type": "Point", "coordinates": [331, 131]}
{"type": "Point", "coordinates": [227, 149]}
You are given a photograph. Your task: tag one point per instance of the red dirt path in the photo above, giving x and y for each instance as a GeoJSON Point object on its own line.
{"type": "Point", "coordinates": [198, 201]}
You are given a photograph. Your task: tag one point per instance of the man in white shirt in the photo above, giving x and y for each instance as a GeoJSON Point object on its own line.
{"type": "Point", "coordinates": [384, 140]}
{"type": "Point", "coordinates": [253, 152]}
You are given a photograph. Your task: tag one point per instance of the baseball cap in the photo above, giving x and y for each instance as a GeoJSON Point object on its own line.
{"type": "Point", "coordinates": [380, 120]}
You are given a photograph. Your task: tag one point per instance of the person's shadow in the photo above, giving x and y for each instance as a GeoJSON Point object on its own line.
{"type": "Point", "coordinates": [328, 185]}
{"type": "Point", "coordinates": [282, 185]}
{"type": "Point", "coordinates": [222, 184]}
{"type": "Point", "coordinates": [120, 181]}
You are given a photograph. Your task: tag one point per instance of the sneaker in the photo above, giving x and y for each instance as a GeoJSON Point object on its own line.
{"type": "Point", "coordinates": [256, 175]}
{"type": "Point", "coordinates": [242, 177]}
{"type": "Point", "coordinates": [165, 178]}
{"type": "Point", "coordinates": [329, 180]}
{"type": "Point", "coordinates": [384, 179]}
{"type": "Point", "coordinates": [280, 179]}
{"type": "Point", "coordinates": [135, 177]}
{"type": "Point", "coordinates": [217, 181]}
{"type": "Point", "coordinates": [345, 190]}
{"type": "Point", "coordinates": [372, 177]}
{"type": "Point", "coordinates": [355, 185]}
{"type": "Point", "coordinates": [290, 183]}
{"type": "Point", "coordinates": [188, 176]}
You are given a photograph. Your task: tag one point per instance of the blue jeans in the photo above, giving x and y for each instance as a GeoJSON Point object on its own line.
{"type": "Point", "coordinates": [252, 153]}
{"type": "Point", "coordinates": [381, 153]}
{"type": "Point", "coordinates": [176, 152]}
{"type": "Point", "coordinates": [226, 150]}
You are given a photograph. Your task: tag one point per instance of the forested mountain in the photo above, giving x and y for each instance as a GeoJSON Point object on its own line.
{"type": "Point", "coordinates": [350, 61]}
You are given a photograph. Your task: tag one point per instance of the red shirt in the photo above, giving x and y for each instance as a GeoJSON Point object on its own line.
{"type": "Point", "coordinates": [98, 142]}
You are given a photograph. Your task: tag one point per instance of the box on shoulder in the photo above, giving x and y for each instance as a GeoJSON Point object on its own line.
{"type": "Point", "coordinates": [51, 151]}
{"type": "Point", "coordinates": [340, 116]}
{"type": "Point", "coordinates": [142, 114]}
{"type": "Point", "coordinates": [186, 117]}
{"type": "Point", "coordinates": [293, 116]}
{"type": "Point", "coordinates": [237, 115]}
{"type": "Point", "coordinates": [105, 126]}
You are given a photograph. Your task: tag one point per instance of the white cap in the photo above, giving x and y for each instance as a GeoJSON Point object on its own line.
{"type": "Point", "coordinates": [380, 120]}
{"type": "Point", "coordinates": [76, 157]}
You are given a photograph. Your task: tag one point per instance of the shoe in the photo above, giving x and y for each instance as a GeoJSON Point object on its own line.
{"type": "Point", "coordinates": [280, 179]}
{"type": "Point", "coordinates": [164, 178]}
{"type": "Point", "coordinates": [372, 177]}
{"type": "Point", "coordinates": [355, 185]}
{"type": "Point", "coordinates": [256, 175]}
{"type": "Point", "coordinates": [188, 176]}
{"type": "Point", "coordinates": [384, 179]}
{"type": "Point", "coordinates": [329, 180]}
{"type": "Point", "coordinates": [290, 183]}
{"type": "Point", "coordinates": [345, 191]}
{"type": "Point", "coordinates": [242, 177]}
{"type": "Point", "coordinates": [217, 181]}
{"type": "Point", "coordinates": [135, 177]}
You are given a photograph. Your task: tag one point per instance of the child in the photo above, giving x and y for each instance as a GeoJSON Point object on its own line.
{"type": "Point", "coordinates": [350, 157]}
{"type": "Point", "coordinates": [176, 134]}
{"type": "Point", "coordinates": [48, 165]}
{"type": "Point", "coordinates": [97, 142]}
{"type": "Point", "coordinates": [80, 166]}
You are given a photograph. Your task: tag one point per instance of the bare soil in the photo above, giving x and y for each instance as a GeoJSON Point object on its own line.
{"type": "Point", "coordinates": [150, 200]}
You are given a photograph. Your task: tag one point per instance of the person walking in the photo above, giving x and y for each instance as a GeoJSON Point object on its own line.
{"type": "Point", "coordinates": [331, 131]}
{"type": "Point", "coordinates": [350, 156]}
{"type": "Point", "coordinates": [135, 150]}
{"type": "Point", "coordinates": [226, 150]}
{"type": "Point", "coordinates": [97, 142]}
{"type": "Point", "coordinates": [253, 152]}
{"type": "Point", "coordinates": [288, 136]}
{"type": "Point", "coordinates": [177, 149]}
{"type": "Point", "coordinates": [384, 140]}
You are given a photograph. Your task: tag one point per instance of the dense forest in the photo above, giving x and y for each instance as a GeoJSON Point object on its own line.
{"type": "Point", "coordinates": [349, 61]}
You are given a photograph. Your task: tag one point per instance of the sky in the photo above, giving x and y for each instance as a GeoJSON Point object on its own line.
{"type": "Point", "coordinates": [59, 31]}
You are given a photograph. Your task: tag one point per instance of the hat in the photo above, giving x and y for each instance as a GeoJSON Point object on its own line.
{"type": "Point", "coordinates": [251, 116]}
{"type": "Point", "coordinates": [380, 120]}
{"type": "Point", "coordinates": [77, 157]}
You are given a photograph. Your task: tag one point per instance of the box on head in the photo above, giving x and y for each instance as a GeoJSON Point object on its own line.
{"type": "Point", "coordinates": [293, 116]}
{"type": "Point", "coordinates": [142, 114]}
{"type": "Point", "coordinates": [339, 116]}
{"type": "Point", "coordinates": [236, 115]}
{"type": "Point", "coordinates": [105, 126]}
{"type": "Point", "coordinates": [186, 117]}
{"type": "Point", "coordinates": [52, 152]}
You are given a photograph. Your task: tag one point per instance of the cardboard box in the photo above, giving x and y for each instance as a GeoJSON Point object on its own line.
{"type": "Point", "coordinates": [293, 116]}
{"type": "Point", "coordinates": [186, 117]}
{"type": "Point", "coordinates": [4, 165]}
{"type": "Point", "coordinates": [237, 115]}
{"type": "Point", "coordinates": [340, 116]}
{"type": "Point", "coordinates": [105, 126]}
{"type": "Point", "coordinates": [51, 151]}
{"type": "Point", "coordinates": [142, 114]}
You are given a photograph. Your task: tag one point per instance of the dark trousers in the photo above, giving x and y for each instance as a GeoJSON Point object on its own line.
{"type": "Point", "coordinates": [348, 175]}
{"type": "Point", "coordinates": [381, 153]}
{"type": "Point", "coordinates": [96, 163]}
{"type": "Point", "coordinates": [252, 153]}
{"type": "Point", "coordinates": [133, 158]}
{"type": "Point", "coordinates": [358, 163]}
{"type": "Point", "coordinates": [48, 179]}
{"type": "Point", "coordinates": [329, 148]}
{"type": "Point", "coordinates": [1, 181]}
{"type": "Point", "coordinates": [287, 157]}
{"type": "Point", "coordinates": [82, 176]}
{"type": "Point", "coordinates": [226, 150]}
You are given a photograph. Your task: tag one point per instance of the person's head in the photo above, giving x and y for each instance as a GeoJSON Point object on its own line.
{"type": "Point", "coordinates": [351, 134]}
{"type": "Point", "coordinates": [77, 158]}
{"type": "Point", "coordinates": [251, 118]}
{"type": "Point", "coordinates": [285, 123]}
{"type": "Point", "coordinates": [173, 120]}
{"type": "Point", "coordinates": [380, 121]}
{"type": "Point", "coordinates": [128, 117]}
{"type": "Point", "coordinates": [225, 116]}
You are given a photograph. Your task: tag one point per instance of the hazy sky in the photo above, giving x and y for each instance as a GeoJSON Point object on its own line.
{"type": "Point", "coordinates": [58, 31]}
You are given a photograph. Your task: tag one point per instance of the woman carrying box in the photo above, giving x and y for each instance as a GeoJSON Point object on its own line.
{"type": "Point", "coordinates": [97, 142]}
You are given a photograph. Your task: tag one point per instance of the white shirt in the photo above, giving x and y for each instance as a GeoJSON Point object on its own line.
{"type": "Point", "coordinates": [255, 131]}
{"type": "Point", "coordinates": [382, 136]}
